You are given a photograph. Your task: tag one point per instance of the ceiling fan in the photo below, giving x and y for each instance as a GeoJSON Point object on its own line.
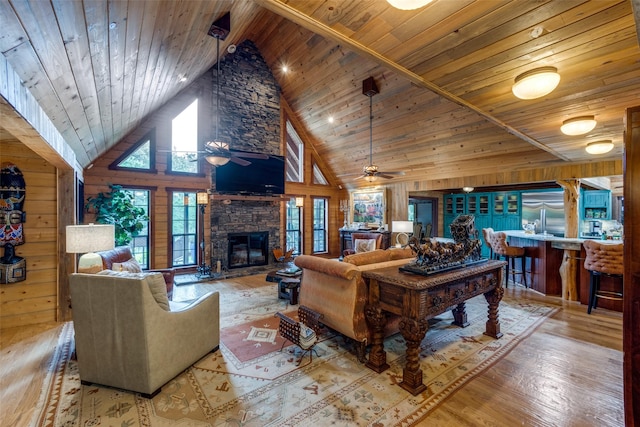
{"type": "Point", "coordinates": [370, 172]}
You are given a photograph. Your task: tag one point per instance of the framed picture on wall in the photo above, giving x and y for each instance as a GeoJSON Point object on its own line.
{"type": "Point", "coordinates": [369, 207]}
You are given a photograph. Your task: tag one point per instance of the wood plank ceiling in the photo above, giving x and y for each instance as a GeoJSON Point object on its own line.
{"type": "Point", "coordinates": [444, 73]}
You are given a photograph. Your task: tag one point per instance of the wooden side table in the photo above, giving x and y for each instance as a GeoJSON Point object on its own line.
{"type": "Point", "coordinates": [289, 288]}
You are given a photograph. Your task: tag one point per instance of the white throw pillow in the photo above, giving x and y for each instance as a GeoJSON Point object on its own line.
{"type": "Point", "coordinates": [364, 245]}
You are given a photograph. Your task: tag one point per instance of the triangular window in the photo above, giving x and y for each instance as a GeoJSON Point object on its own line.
{"type": "Point", "coordinates": [295, 155]}
{"type": "Point", "coordinates": [318, 176]}
{"type": "Point", "coordinates": [139, 156]}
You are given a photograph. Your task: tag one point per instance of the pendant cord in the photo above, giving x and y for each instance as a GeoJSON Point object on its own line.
{"type": "Point", "coordinates": [218, 88]}
{"type": "Point", "coordinates": [370, 130]}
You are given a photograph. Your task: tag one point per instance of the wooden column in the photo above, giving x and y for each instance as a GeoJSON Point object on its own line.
{"type": "Point", "coordinates": [569, 266]}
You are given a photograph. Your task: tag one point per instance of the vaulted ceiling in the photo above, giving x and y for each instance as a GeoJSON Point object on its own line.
{"type": "Point", "coordinates": [444, 74]}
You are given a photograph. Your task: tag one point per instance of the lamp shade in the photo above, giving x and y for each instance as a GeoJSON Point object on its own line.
{"type": "Point", "coordinates": [599, 147]}
{"type": "Point", "coordinates": [217, 153]}
{"type": "Point", "coordinates": [467, 189]}
{"type": "Point", "coordinates": [408, 4]}
{"type": "Point", "coordinates": [90, 238]}
{"type": "Point", "coordinates": [578, 125]}
{"type": "Point", "coordinates": [299, 202]}
{"type": "Point", "coordinates": [202, 198]}
{"type": "Point", "coordinates": [402, 226]}
{"type": "Point", "coordinates": [536, 83]}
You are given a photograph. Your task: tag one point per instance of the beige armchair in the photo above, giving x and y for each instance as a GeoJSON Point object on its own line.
{"type": "Point", "coordinates": [129, 336]}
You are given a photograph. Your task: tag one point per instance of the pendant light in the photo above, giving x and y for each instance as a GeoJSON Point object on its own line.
{"type": "Point", "coordinates": [536, 83]}
{"type": "Point", "coordinates": [216, 149]}
{"type": "Point", "coordinates": [578, 125]}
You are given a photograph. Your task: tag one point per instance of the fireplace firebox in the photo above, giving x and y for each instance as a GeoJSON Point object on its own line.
{"type": "Point", "coordinates": [248, 249]}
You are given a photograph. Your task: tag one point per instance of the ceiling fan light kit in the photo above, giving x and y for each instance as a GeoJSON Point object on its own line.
{"type": "Point", "coordinates": [599, 147]}
{"type": "Point", "coordinates": [536, 83]}
{"type": "Point", "coordinates": [578, 125]}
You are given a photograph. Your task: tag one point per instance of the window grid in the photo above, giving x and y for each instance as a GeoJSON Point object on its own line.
{"type": "Point", "coordinates": [294, 227]}
{"type": "Point", "coordinates": [140, 244]}
{"type": "Point", "coordinates": [184, 229]}
{"type": "Point", "coordinates": [319, 225]}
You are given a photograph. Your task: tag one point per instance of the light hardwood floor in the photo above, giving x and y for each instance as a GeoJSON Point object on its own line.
{"type": "Point", "coordinates": [567, 373]}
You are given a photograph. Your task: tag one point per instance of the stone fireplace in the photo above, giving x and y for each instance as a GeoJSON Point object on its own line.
{"type": "Point", "coordinates": [249, 118]}
{"type": "Point", "coordinates": [247, 249]}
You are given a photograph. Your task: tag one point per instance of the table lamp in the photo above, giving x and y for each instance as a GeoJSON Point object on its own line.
{"type": "Point", "coordinates": [402, 228]}
{"type": "Point", "coordinates": [87, 239]}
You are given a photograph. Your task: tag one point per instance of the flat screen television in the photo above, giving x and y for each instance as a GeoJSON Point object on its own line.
{"type": "Point", "coordinates": [262, 176]}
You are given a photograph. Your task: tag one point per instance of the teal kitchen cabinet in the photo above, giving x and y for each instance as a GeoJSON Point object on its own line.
{"type": "Point", "coordinates": [596, 204]}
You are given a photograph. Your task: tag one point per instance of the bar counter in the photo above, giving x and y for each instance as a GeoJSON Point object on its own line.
{"type": "Point", "coordinates": [545, 253]}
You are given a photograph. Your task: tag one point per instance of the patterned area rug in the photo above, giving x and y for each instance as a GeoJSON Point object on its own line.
{"type": "Point", "coordinates": [270, 390]}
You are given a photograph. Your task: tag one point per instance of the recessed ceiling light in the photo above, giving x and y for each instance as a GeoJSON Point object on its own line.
{"type": "Point", "coordinates": [330, 119]}
{"type": "Point", "coordinates": [536, 83]}
{"type": "Point", "coordinates": [599, 147]}
{"type": "Point", "coordinates": [285, 69]}
{"type": "Point", "coordinates": [578, 125]}
{"type": "Point", "coordinates": [113, 26]}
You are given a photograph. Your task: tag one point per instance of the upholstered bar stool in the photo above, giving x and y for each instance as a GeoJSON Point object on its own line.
{"type": "Point", "coordinates": [486, 234]}
{"type": "Point", "coordinates": [603, 259]}
{"type": "Point", "coordinates": [510, 253]}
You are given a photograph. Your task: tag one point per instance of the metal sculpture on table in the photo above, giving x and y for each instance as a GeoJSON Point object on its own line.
{"type": "Point", "coordinates": [12, 194]}
{"type": "Point", "coordinates": [434, 256]}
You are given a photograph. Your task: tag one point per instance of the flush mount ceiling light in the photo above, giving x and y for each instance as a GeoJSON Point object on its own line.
{"type": "Point", "coordinates": [578, 125]}
{"type": "Point", "coordinates": [467, 189]}
{"type": "Point", "coordinates": [599, 147]}
{"type": "Point", "coordinates": [408, 4]}
{"type": "Point", "coordinates": [536, 83]}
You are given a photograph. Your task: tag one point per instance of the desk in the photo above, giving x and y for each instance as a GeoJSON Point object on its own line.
{"type": "Point", "coordinates": [417, 299]}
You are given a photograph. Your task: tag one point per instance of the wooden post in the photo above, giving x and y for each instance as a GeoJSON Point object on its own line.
{"type": "Point", "coordinates": [569, 266]}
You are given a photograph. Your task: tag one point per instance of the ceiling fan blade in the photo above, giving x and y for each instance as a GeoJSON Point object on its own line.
{"type": "Point", "coordinates": [384, 175]}
{"type": "Point", "coordinates": [249, 155]}
{"type": "Point", "coordinates": [361, 176]}
{"type": "Point", "coordinates": [239, 161]}
{"type": "Point", "coordinates": [399, 173]}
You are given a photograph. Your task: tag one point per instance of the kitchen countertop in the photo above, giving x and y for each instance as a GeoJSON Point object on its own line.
{"type": "Point", "coordinates": [551, 238]}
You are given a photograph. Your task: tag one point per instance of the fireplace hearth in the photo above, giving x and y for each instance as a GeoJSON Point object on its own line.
{"type": "Point", "coordinates": [248, 249]}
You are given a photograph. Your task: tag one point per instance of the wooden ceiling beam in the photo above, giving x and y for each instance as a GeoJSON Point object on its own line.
{"type": "Point", "coordinates": [281, 9]}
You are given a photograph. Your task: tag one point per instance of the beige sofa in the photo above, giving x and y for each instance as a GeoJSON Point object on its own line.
{"type": "Point", "coordinates": [337, 290]}
{"type": "Point", "coordinates": [130, 336]}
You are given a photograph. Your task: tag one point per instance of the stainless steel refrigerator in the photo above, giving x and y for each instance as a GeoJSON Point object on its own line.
{"type": "Point", "coordinates": [547, 208]}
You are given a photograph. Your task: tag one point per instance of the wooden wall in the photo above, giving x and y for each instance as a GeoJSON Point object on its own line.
{"type": "Point", "coordinates": [33, 300]}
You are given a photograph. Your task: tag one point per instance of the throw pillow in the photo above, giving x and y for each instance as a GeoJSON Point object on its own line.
{"type": "Point", "coordinates": [130, 265]}
{"type": "Point", "coordinates": [155, 281]}
{"type": "Point", "coordinates": [364, 245]}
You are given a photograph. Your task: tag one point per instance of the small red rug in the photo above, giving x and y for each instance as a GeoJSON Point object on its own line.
{"type": "Point", "coordinates": [251, 340]}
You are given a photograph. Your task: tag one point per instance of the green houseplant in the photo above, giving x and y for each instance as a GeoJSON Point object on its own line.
{"type": "Point", "coordinates": [116, 207]}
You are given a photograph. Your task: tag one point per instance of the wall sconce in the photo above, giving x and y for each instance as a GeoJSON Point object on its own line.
{"type": "Point", "coordinates": [467, 189]}
{"type": "Point", "coordinates": [578, 125]}
{"type": "Point", "coordinates": [402, 228]}
{"type": "Point", "coordinates": [536, 83]}
{"type": "Point", "coordinates": [408, 4]}
{"type": "Point", "coordinates": [87, 239]}
{"type": "Point", "coordinates": [599, 147]}
{"type": "Point", "coordinates": [299, 202]}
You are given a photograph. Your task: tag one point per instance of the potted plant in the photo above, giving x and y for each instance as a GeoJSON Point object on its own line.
{"type": "Point", "coordinates": [116, 207]}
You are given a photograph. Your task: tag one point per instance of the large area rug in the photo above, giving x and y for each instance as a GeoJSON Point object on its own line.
{"type": "Point", "coordinates": [265, 388]}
